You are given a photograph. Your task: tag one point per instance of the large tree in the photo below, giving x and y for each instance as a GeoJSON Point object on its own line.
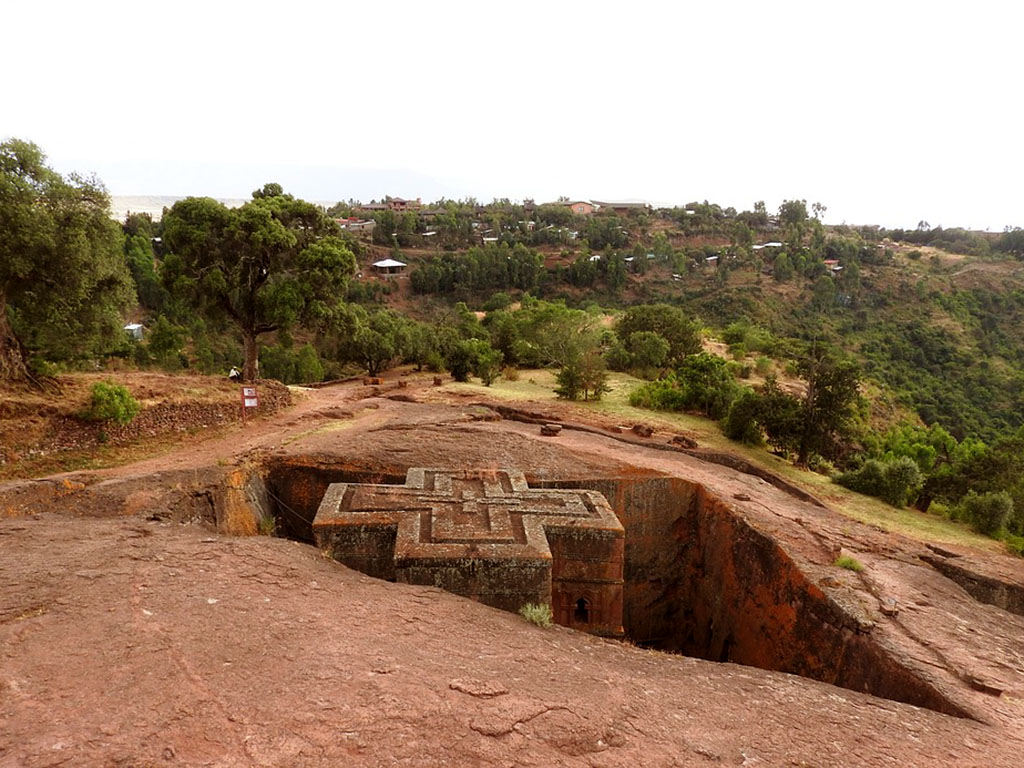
{"type": "Point", "coordinates": [820, 422]}
{"type": "Point", "coordinates": [829, 407]}
{"type": "Point", "coordinates": [680, 331]}
{"type": "Point", "coordinates": [63, 280]}
{"type": "Point", "coordinates": [265, 266]}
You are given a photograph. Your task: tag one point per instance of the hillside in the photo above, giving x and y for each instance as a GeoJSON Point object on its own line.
{"type": "Point", "coordinates": [919, 326]}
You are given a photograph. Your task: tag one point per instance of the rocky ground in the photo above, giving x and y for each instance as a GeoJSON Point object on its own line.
{"type": "Point", "coordinates": [132, 633]}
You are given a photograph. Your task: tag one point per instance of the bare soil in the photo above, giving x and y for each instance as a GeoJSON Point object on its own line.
{"type": "Point", "coordinates": [43, 431]}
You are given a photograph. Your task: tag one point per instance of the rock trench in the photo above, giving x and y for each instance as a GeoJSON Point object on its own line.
{"type": "Point", "coordinates": [699, 579]}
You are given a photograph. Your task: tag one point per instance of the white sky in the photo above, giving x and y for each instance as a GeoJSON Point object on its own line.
{"type": "Point", "coordinates": [887, 112]}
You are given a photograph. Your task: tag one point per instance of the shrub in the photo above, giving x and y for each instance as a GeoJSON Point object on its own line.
{"type": "Point", "coordinates": [267, 525]}
{"type": "Point", "coordinates": [462, 359]}
{"type": "Point", "coordinates": [892, 481]}
{"type": "Point", "coordinates": [736, 333]}
{"type": "Point", "coordinates": [739, 370]}
{"type": "Point", "coordinates": [112, 402]}
{"type": "Point", "coordinates": [986, 513]}
{"type": "Point", "coordinates": [869, 479]}
{"type": "Point", "coordinates": [901, 478]}
{"type": "Point", "coordinates": [763, 365]}
{"type": "Point", "coordinates": [488, 365]}
{"type": "Point", "coordinates": [308, 368]}
{"type": "Point", "coordinates": [618, 357]}
{"type": "Point", "coordinates": [661, 395]}
{"type": "Point", "coordinates": [849, 563]}
{"type": "Point", "coordinates": [499, 300]}
{"type": "Point", "coordinates": [434, 362]}
{"type": "Point", "coordinates": [537, 613]}
{"type": "Point", "coordinates": [708, 384]}
{"type": "Point", "coordinates": [647, 349]}
{"type": "Point", "coordinates": [570, 382]}
{"type": "Point", "coordinates": [741, 422]}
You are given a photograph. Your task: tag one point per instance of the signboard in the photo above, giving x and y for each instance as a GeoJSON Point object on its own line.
{"type": "Point", "coordinates": [249, 400]}
{"type": "Point", "coordinates": [249, 397]}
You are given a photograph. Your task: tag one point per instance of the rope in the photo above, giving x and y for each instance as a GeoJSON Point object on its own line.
{"type": "Point", "coordinates": [279, 501]}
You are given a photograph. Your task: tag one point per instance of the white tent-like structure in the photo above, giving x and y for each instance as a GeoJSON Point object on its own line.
{"type": "Point", "coordinates": [389, 266]}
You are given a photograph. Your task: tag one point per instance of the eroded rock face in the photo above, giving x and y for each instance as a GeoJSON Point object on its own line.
{"type": "Point", "coordinates": [701, 581]}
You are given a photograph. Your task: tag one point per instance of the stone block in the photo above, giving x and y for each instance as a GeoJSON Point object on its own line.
{"type": "Point", "coordinates": [487, 535]}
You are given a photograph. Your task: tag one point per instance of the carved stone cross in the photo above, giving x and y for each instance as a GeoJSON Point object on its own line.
{"type": "Point", "coordinates": [487, 535]}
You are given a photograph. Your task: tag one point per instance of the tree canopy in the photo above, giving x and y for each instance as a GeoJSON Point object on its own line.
{"type": "Point", "coordinates": [63, 281]}
{"type": "Point", "coordinates": [671, 323]}
{"type": "Point", "coordinates": [265, 266]}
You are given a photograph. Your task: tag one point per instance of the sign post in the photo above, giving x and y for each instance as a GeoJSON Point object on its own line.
{"type": "Point", "coordinates": [249, 400]}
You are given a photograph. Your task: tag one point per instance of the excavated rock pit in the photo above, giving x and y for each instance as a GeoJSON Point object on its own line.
{"type": "Point", "coordinates": [700, 580]}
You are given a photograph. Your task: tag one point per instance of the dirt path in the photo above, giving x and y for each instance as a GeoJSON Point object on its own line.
{"type": "Point", "coordinates": [312, 409]}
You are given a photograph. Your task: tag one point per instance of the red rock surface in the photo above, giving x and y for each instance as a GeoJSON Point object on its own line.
{"type": "Point", "coordinates": [130, 641]}
{"type": "Point", "coordinates": [125, 642]}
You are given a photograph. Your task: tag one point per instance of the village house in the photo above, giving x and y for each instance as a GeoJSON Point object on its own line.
{"type": "Point", "coordinates": [580, 207]}
{"type": "Point", "coordinates": [360, 227]}
{"type": "Point", "coordinates": [397, 204]}
{"type": "Point", "coordinates": [401, 205]}
{"type": "Point", "coordinates": [623, 209]}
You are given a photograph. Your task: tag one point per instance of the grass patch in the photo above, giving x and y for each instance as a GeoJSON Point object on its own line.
{"type": "Point", "coordinates": [849, 563]}
{"type": "Point", "coordinates": [267, 525]}
{"type": "Point", "coordinates": [537, 613]}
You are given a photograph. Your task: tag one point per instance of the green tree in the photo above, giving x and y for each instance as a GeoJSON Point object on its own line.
{"type": "Point", "coordinates": [987, 513]}
{"type": "Point", "coordinates": [142, 264]}
{"type": "Point", "coordinates": [647, 349]}
{"type": "Point", "coordinates": [742, 421]}
{"type": "Point", "coordinates": [703, 382]}
{"type": "Point", "coordinates": [671, 323]}
{"type": "Point", "coordinates": [474, 356]}
{"type": "Point", "coordinates": [584, 376]}
{"type": "Point", "coordinates": [824, 293]}
{"type": "Point", "coordinates": [780, 416]}
{"type": "Point", "coordinates": [707, 384]}
{"type": "Point", "coordinates": [553, 334]}
{"type": "Point", "coordinates": [265, 266]}
{"type": "Point", "coordinates": [793, 212]}
{"type": "Point", "coordinates": [615, 273]}
{"type": "Point", "coordinates": [165, 342]}
{"type": "Point", "coordinates": [894, 481]}
{"type": "Point", "coordinates": [830, 405]}
{"type": "Point", "coordinates": [63, 281]}
{"type": "Point", "coordinates": [488, 362]}
{"type": "Point", "coordinates": [782, 269]}
{"type": "Point", "coordinates": [308, 368]}
{"type": "Point", "coordinates": [379, 339]}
